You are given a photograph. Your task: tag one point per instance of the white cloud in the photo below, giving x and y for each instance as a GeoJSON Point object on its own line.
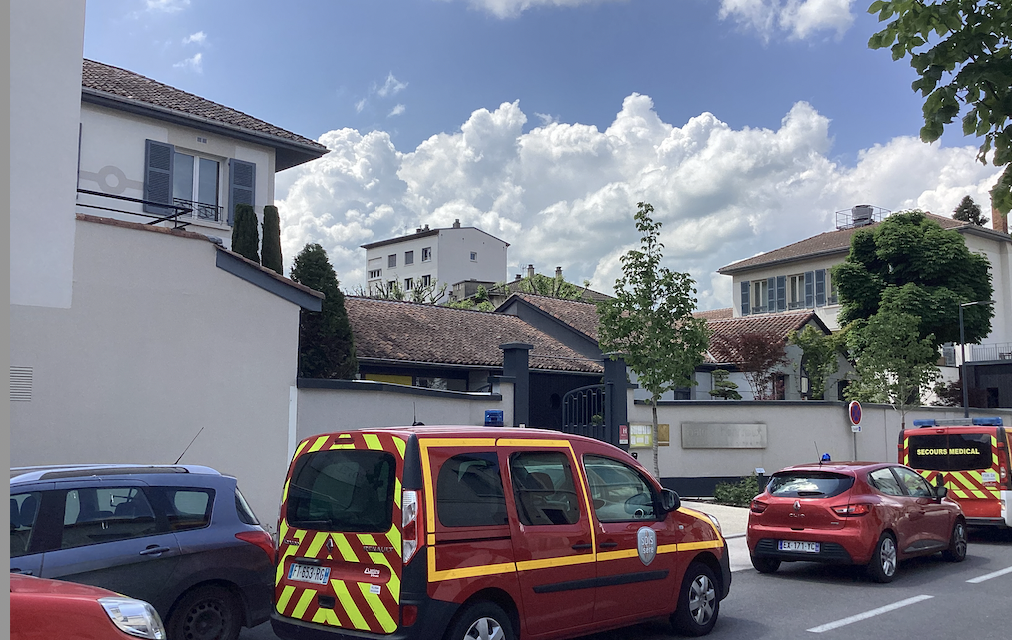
{"type": "Point", "coordinates": [360, 105]}
{"type": "Point", "coordinates": [166, 6]}
{"type": "Point", "coordinates": [391, 86]}
{"type": "Point", "coordinates": [513, 8]}
{"type": "Point", "coordinates": [195, 38]}
{"type": "Point", "coordinates": [396, 111]}
{"type": "Point", "coordinates": [546, 118]}
{"type": "Point", "coordinates": [564, 194]}
{"type": "Point", "coordinates": [799, 19]}
{"type": "Point", "coordinates": [194, 63]}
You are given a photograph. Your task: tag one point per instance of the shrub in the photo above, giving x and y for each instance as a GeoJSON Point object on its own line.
{"type": "Point", "coordinates": [738, 494]}
{"type": "Point", "coordinates": [245, 237]}
{"type": "Point", "coordinates": [271, 247]}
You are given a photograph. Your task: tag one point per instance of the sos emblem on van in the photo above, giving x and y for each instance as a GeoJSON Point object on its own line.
{"type": "Point", "coordinates": [646, 544]}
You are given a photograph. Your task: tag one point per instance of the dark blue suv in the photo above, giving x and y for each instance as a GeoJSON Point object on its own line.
{"type": "Point", "coordinates": [181, 537]}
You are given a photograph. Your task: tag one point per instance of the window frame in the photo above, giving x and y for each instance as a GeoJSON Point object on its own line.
{"type": "Point", "coordinates": [426, 254]}
{"type": "Point", "coordinates": [489, 456]}
{"type": "Point", "coordinates": [522, 489]}
{"type": "Point", "coordinates": [392, 261]}
{"type": "Point", "coordinates": [409, 258]}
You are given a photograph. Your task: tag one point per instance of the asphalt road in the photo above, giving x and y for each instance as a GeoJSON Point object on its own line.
{"type": "Point", "coordinates": [929, 599]}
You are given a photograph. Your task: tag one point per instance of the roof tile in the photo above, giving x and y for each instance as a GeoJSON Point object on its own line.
{"type": "Point", "coordinates": [726, 330]}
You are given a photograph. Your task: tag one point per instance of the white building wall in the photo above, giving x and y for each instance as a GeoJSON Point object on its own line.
{"type": "Point", "coordinates": [827, 313]}
{"type": "Point", "coordinates": [998, 253]}
{"type": "Point", "coordinates": [46, 45]}
{"type": "Point", "coordinates": [148, 355]}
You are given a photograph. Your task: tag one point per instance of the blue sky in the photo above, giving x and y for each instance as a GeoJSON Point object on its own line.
{"type": "Point", "coordinates": [746, 123]}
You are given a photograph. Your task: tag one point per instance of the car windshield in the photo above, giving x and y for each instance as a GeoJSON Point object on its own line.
{"type": "Point", "coordinates": [809, 484]}
{"type": "Point", "coordinates": [950, 452]}
{"type": "Point", "coordinates": [342, 490]}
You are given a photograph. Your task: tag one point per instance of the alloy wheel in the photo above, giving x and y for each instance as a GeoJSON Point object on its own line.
{"type": "Point", "coordinates": [485, 629]}
{"type": "Point", "coordinates": [701, 598]}
{"type": "Point", "coordinates": [887, 556]}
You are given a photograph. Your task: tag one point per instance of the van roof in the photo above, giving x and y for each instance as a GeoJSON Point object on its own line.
{"type": "Point", "coordinates": [425, 431]}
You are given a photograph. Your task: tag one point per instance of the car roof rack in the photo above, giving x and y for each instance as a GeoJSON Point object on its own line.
{"type": "Point", "coordinates": [57, 472]}
{"type": "Point", "coordinates": [994, 421]}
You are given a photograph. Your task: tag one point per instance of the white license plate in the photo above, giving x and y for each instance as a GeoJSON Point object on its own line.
{"type": "Point", "coordinates": [796, 545]}
{"type": "Point", "coordinates": [309, 573]}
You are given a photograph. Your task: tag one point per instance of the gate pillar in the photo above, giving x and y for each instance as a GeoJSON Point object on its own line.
{"type": "Point", "coordinates": [515, 356]}
{"type": "Point", "coordinates": [616, 411]}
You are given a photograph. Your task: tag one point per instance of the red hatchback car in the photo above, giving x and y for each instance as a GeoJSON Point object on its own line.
{"type": "Point", "coordinates": [862, 513]}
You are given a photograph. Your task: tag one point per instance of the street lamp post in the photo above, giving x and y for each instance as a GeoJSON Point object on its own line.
{"type": "Point", "coordinates": [962, 354]}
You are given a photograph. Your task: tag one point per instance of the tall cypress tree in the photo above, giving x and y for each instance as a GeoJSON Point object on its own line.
{"type": "Point", "coordinates": [271, 248]}
{"type": "Point", "coordinates": [245, 238]}
{"type": "Point", "coordinates": [326, 343]}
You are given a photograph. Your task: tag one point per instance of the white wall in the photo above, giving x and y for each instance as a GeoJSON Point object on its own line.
{"type": "Point", "coordinates": [159, 343]}
{"type": "Point", "coordinates": [997, 253]}
{"type": "Point", "coordinates": [46, 45]}
{"type": "Point", "coordinates": [112, 161]}
{"type": "Point", "coordinates": [827, 313]}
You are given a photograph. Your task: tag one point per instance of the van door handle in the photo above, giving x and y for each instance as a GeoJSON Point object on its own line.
{"type": "Point", "coordinates": [608, 545]}
{"type": "Point", "coordinates": [154, 551]}
{"type": "Point", "coordinates": [581, 546]}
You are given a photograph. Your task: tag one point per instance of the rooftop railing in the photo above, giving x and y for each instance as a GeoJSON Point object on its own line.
{"type": "Point", "coordinates": [172, 211]}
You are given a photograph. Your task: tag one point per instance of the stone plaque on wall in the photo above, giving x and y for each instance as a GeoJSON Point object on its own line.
{"type": "Point", "coordinates": [723, 435]}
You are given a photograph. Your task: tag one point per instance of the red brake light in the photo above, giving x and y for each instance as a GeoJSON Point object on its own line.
{"type": "Point", "coordinates": [410, 531]}
{"type": "Point", "coordinates": [261, 539]}
{"type": "Point", "coordinates": [757, 506]}
{"type": "Point", "coordinates": [847, 510]}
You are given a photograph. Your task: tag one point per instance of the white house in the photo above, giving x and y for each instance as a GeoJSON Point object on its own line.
{"type": "Point", "coordinates": [435, 257]}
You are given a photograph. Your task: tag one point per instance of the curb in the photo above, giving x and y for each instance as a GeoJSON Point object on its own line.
{"type": "Point", "coordinates": [734, 535]}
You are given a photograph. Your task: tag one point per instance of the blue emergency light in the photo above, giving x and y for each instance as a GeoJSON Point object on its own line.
{"type": "Point", "coordinates": [977, 422]}
{"type": "Point", "coordinates": [988, 422]}
{"type": "Point", "coordinates": [493, 418]}
{"type": "Point", "coordinates": [924, 423]}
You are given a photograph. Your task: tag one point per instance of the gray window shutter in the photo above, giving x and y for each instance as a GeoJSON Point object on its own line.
{"type": "Point", "coordinates": [810, 289]}
{"type": "Point", "coordinates": [744, 298]}
{"type": "Point", "coordinates": [781, 293]}
{"type": "Point", "coordinates": [241, 184]}
{"type": "Point", "coordinates": [771, 294]}
{"type": "Point", "coordinates": [158, 176]}
{"type": "Point", "coordinates": [820, 288]}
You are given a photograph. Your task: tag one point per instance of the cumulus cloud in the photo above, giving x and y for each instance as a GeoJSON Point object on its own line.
{"type": "Point", "coordinates": [799, 19]}
{"type": "Point", "coordinates": [513, 8]}
{"type": "Point", "coordinates": [195, 38]}
{"type": "Point", "coordinates": [564, 194]}
{"type": "Point", "coordinates": [194, 63]}
{"type": "Point", "coordinates": [396, 111]}
{"type": "Point", "coordinates": [166, 6]}
{"type": "Point", "coordinates": [391, 86]}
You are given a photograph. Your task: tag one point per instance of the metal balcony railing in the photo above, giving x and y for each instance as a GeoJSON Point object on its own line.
{"type": "Point", "coordinates": [202, 210]}
{"type": "Point", "coordinates": [172, 211]}
{"type": "Point", "coordinates": [992, 351]}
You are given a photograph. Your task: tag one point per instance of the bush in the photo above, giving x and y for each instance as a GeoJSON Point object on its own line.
{"type": "Point", "coordinates": [245, 237]}
{"type": "Point", "coordinates": [737, 494]}
{"type": "Point", "coordinates": [271, 248]}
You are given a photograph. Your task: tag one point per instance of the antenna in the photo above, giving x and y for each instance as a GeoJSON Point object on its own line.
{"type": "Point", "coordinates": [817, 454]}
{"type": "Point", "coordinates": [187, 447]}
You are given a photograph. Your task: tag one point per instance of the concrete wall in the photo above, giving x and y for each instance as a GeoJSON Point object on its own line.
{"type": "Point", "coordinates": [112, 161]}
{"type": "Point", "coordinates": [46, 43]}
{"type": "Point", "coordinates": [159, 343]}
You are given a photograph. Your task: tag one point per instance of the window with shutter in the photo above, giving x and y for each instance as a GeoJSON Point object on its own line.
{"type": "Point", "coordinates": [820, 288]}
{"type": "Point", "coordinates": [241, 185]}
{"type": "Point", "coordinates": [745, 306]}
{"type": "Point", "coordinates": [810, 289]}
{"type": "Point", "coordinates": [158, 176]}
{"type": "Point", "coordinates": [781, 293]}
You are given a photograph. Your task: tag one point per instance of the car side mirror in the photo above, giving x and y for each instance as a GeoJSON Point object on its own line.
{"type": "Point", "coordinates": [670, 500]}
{"type": "Point", "coordinates": [941, 492]}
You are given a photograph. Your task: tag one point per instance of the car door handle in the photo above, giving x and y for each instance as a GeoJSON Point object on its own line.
{"type": "Point", "coordinates": [154, 551]}
{"type": "Point", "coordinates": [24, 573]}
{"type": "Point", "coordinates": [608, 545]}
{"type": "Point", "coordinates": [581, 546]}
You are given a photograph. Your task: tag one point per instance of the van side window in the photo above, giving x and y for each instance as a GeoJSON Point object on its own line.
{"type": "Point", "coordinates": [469, 491]}
{"type": "Point", "coordinates": [544, 490]}
{"type": "Point", "coordinates": [619, 493]}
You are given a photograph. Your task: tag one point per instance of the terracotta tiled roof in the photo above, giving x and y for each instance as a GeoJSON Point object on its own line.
{"type": "Point", "coordinates": [406, 331]}
{"type": "Point", "coordinates": [715, 314]}
{"type": "Point", "coordinates": [133, 86]}
{"type": "Point", "coordinates": [780, 324]}
{"type": "Point", "coordinates": [828, 243]}
{"type": "Point", "coordinates": [578, 314]}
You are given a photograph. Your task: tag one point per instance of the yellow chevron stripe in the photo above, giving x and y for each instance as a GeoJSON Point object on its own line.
{"type": "Point", "coordinates": [372, 441]}
{"type": "Point", "coordinates": [314, 547]}
{"type": "Point", "coordinates": [378, 608]}
{"type": "Point", "coordinates": [303, 604]}
{"type": "Point", "coordinates": [318, 444]}
{"type": "Point", "coordinates": [348, 604]}
{"type": "Point", "coordinates": [326, 616]}
{"type": "Point", "coordinates": [343, 445]}
{"type": "Point", "coordinates": [344, 547]}
{"type": "Point", "coordinates": [298, 450]}
{"type": "Point", "coordinates": [286, 596]}
{"type": "Point", "coordinates": [400, 444]}
{"type": "Point", "coordinates": [397, 492]}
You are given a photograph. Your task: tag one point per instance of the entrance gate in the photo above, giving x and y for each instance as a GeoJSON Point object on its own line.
{"type": "Point", "coordinates": [598, 410]}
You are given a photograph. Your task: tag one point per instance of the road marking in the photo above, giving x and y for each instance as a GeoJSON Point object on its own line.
{"type": "Point", "coordinates": [988, 576]}
{"type": "Point", "coordinates": [868, 614]}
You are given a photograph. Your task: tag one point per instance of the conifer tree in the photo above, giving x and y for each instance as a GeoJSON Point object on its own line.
{"type": "Point", "coordinates": [245, 238]}
{"type": "Point", "coordinates": [326, 343]}
{"type": "Point", "coordinates": [271, 248]}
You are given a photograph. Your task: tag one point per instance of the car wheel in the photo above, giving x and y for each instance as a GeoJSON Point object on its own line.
{"type": "Point", "coordinates": [957, 543]}
{"type": "Point", "coordinates": [884, 560]}
{"type": "Point", "coordinates": [698, 602]}
{"type": "Point", "coordinates": [205, 613]}
{"type": "Point", "coordinates": [765, 564]}
{"type": "Point", "coordinates": [481, 621]}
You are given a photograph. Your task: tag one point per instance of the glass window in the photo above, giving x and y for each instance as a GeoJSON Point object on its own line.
{"type": "Point", "coordinates": [618, 491]}
{"type": "Point", "coordinates": [409, 257]}
{"type": "Point", "coordinates": [243, 510]}
{"type": "Point", "coordinates": [409, 284]}
{"type": "Point", "coordinates": [474, 256]}
{"type": "Point", "coordinates": [915, 485]}
{"type": "Point", "coordinates": [885, 482]}
{"type": "Point", "coordinates": [426, 280]}
{"type": "Point", "coordinates": [426, 254]}
{"type": "Point", "coordinates": [760, 291]}
{"type": "Point", "coordinates": [809, 484]}
{"type": "Point", "coordinates": [543, 487]}
{"type": "Point", "coordinates": [182, 176]}
{"type": "Point", "coordinates": [950, 452]}
{"type": "Point", "coordinates": [207, 182]}
{"type": "Point", "coordinates": [24, 508]}
{"type": "Point", "coordinates": [189, 508]}
{"type": "Point", "coordinates": [105, 514]}
{"type": "Point", "coordinates": [342, 490]}
{"type": "Point", "coordinates": [796, 291]}
{"type": "Point", "coordinates": [469, 491]}
{"type": "Point", "coordinates": [391, 261]}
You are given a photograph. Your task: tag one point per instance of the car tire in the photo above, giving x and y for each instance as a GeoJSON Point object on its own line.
{"type": "Point", "coordinates": [957, 543]}
{"type": "Point", "coordinates": [884, 560]}
{"type": "Point", "coordinates": [481, 620]}
{"type": "Point", "coordinates": [765, 564]}
{"type": "Point", "coordinates": [205, 613]}
{"type": "Point", "coordinates": [698, 602]}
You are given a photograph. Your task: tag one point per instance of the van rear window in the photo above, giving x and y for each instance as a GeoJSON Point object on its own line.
{"type": "Point", "coordinates": [950, 452]}
{"type": "Point", "coordinates": [809, 484]}
{"type": "Point", "coordinates": [342, 490]}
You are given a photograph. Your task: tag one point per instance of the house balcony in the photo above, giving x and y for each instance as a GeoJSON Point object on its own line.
{"type": "Point", "coordinates": [989, 352]}
{"type": "Point", "coordinates": [201, 211]}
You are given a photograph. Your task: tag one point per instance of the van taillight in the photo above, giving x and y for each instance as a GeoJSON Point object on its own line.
{"type": "Point", "coordinates": [409, 525]}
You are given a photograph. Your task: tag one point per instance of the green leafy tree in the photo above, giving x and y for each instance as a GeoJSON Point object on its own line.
{"type": "Point", "coordinates": [552, 287]}
{"type": "Point", "coordinates": [326, 343]}
{"type": "Point", "coordinates": [909, 262]}
{"type": "Point", "coordinates": [892, 361]}
{"type": "Point", "coordinates": [820, 355]}
{"type": "Point", "coordinates": [722, 387]}
{"type": "Point", "coordinates": [478, 302]}
{"type": "Point", "coordinates": [968, 211]}
{"type": "Point", "coordinates": [650, 320]}
{"type": "Point", "coordinates": [245, 238]}
{"type": "Point", "coordinates": [271, 248]}
{"type": "Point", "coordinates": [760, 354]}
{"type": "Point", "coordinates": [960, 51]}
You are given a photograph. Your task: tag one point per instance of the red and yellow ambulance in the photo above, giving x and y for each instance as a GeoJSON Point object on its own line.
{"type": "Point", "coordinates": [970, 458]}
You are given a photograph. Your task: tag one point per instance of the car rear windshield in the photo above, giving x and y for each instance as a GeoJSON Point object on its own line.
{"type": "Point", "coordinates": [342, 490]}
{"type": "Point", "coordinates": [950, 451]}
{"type": "Point", "coordinates": [809, 484]}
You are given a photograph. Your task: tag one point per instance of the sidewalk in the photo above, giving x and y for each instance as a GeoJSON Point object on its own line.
{"type": "Point", "coordinates": [733, 522]}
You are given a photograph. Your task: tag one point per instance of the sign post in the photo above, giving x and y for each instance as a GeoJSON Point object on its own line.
{"type": "Point", "coordinates": [855, 413]}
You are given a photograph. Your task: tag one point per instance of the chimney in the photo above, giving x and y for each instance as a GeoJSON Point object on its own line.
{"type": "Point", "coordinates": [426, 227]}
{"type": "Point", "coordinates": [456, 223]}
{"type": "Point", "coordinates": [530, 271]}
{"type": "Point", "coordinates": [558, 273]}
{"type": "Point", "coordinates": [999, 221]}
{"type": "Point", "coordinates": [418, 230]}
{"type": "Point", "coordinates": [519, 277]}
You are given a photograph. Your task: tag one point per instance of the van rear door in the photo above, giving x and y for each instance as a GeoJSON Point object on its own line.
{"type": "Point", "coordinates": [339, 547]}
{"type": "Point", "coordinates": [965, 460]}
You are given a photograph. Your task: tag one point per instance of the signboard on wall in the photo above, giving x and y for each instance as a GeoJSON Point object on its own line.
{"type": "Point", "coordinates": [640, 435]}
{"type": "Point", "coordinates": [723, 435]}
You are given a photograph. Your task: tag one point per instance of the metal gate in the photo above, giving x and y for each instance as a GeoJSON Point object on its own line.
{"type": "Point", "coordinates": [585, 412]}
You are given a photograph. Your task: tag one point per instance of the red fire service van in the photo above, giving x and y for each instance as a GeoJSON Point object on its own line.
{"type": "Point", "coordinates": [968, 457]}
{"type": "Point", "coordinates": [466, 532]}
